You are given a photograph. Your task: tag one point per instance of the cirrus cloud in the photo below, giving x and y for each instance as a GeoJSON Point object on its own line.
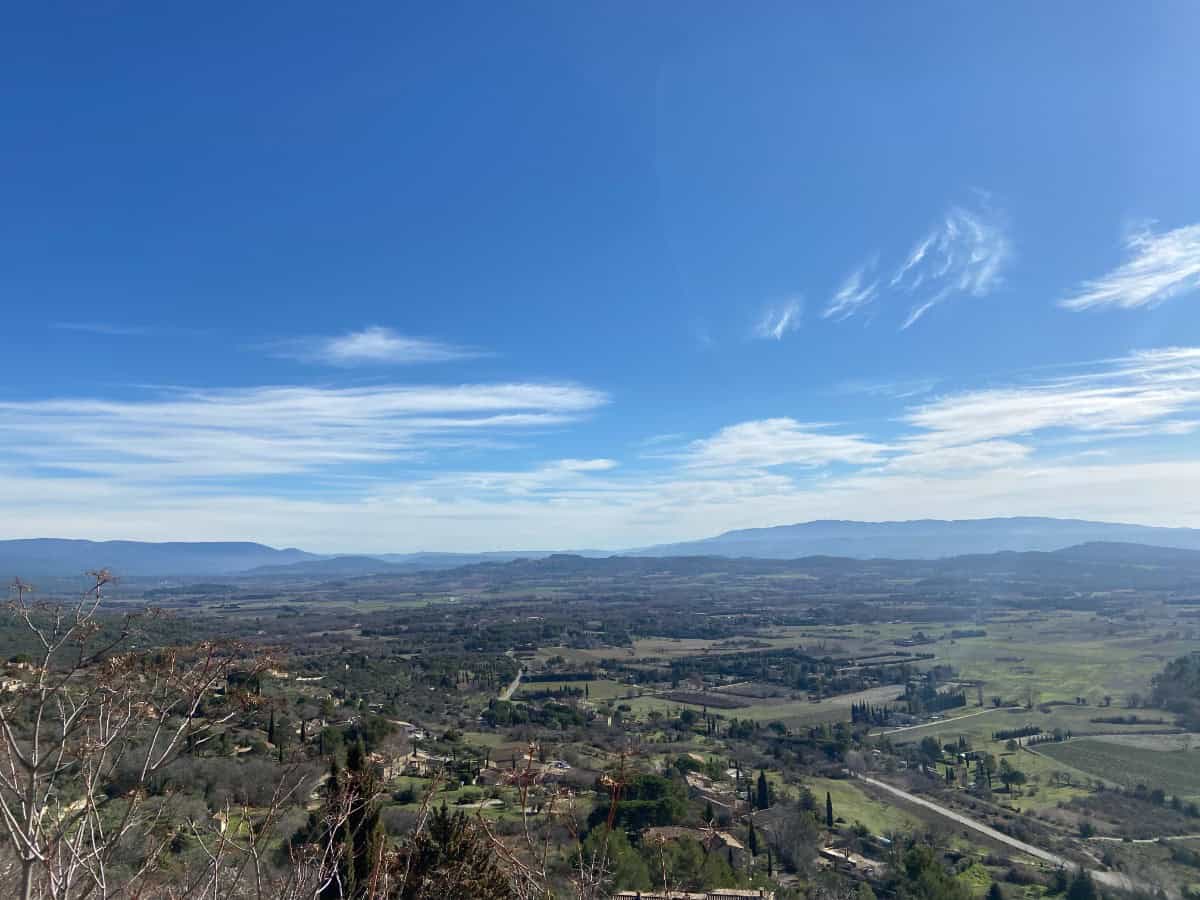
{"type": "Point", "coordinates": [1160, 266]}
{"type": "Point", "coordinates": [779, 319]}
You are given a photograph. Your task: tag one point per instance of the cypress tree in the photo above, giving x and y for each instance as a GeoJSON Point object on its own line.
{"type": "Point", "coordinates": [828, 810]}
{"type": "Point", "coordinates": [764, 795]}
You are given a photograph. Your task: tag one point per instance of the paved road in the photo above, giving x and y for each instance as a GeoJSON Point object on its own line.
{"type": "Point", "coordinates": [945, 722]}
{"type": "Point", "coordinates": [507, 693]}
{"type": "Point", "coordinates": [1153, 840]}
{"type": "Point", "coordinates": [1110, 879]}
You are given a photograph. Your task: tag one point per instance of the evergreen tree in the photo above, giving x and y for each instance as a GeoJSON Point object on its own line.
{"type": "Point", "coordinates": [922, 876]}
{"type": "Point", "coordinates": [753, 841]}
{"type": "Point", "coordinates": [828, 810]}
{"type": "Point", "coordinates": [710, 815]}
{"type": "Point", "coordinates": [1082, 887]}
{"type": "Point", "coordinates": [994, 892]}
{"type": "Point", "coordinates": [764, 798]}
{"type": "Point", "coordinates": [452, 858]}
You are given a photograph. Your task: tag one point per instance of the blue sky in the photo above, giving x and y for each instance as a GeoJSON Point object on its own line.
{"type": "Point", "coordinates": [595, 275]}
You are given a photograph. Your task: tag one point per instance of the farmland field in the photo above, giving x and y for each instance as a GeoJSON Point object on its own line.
{"type": "Point", "coordinates": [853, 804]}
{"type": "Point", "coordinates": [979, 725]}
{"type": "Point", "coordinates": [1175, 771]}
{"type": "Point", "coordinates": [795, 713]}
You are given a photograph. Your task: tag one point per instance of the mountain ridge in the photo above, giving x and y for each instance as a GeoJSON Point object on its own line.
{"type": "Point", "coordinates": [923, 538]}
{"type": "Point", "coordinates": [33, 557]}
{"type": "Point", "coordinates": [913, 539]}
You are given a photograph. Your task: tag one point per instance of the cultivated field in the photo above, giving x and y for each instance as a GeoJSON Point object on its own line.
{"type": "Point", "coordinates": [1175, 771]}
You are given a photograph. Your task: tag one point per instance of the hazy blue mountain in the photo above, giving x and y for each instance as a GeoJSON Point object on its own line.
{"type": "Point", "coordinates": [54, 556]}
{"type": "Point", "coordinates": [1113, 563]}
{"type": "Point", "coordinates": [923, 538]}
{"type": "Point", "coordinates": [331, 567]}
{"type": "Point", "coordinates": [454, 560]}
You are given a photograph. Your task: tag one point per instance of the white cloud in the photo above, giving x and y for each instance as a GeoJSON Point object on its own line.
{"type": "Point", "coordinates": [915, 257]}
{"type": "Point", "coordinates": [276, 430]}
{"type": "Point", "coordinates": [858, 290]}
{"type": "Point", "coordinates": [776, 442]}
{"type": "Point", "coordinates": [1145, 390]}
{"type": "Point", "coordinates": [983, 455]}
{"type": "Point", "coordinates": [372, 346]}
{"type": "Point", "coordinates": [964, 255]}
{"type": "Point", "coordinates": [1161, 266]}
{"type": "Point", "coordinates": [410, 516]}
{"type": "Point", "coordinates": [779, 319]}
{"type": "Point", "coordinates": [370, 469]}
{"type": "Point", "coordinates": [585, 465]}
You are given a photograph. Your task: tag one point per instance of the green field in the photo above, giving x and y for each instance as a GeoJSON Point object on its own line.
{"type": "Point", "coordinates": [1061, 656]}
{"type": "Point", "coordinates": [978, 726]}
{"type": "Point", "coordinates": [1057, 655]}
{"type": "Point", "coordinates": [852, 804]}
{"type": "Point", "coordinates": [1175, 771]}
{"type": "Point", "coordinates": [793, 713]}
{"type": "Point", "coordinates": [1043, 790]}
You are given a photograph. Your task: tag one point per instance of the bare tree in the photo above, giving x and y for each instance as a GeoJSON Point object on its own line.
{"type": "Point", "coordinates": [83, 731]}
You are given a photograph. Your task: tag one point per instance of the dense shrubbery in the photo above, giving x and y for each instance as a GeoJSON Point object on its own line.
{"type": "Point", "coordinates": [1177, 688]}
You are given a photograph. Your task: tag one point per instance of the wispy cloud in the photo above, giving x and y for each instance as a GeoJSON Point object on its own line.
{"type": "Point", "coordinates": [915, 257]}
{"type": "Point", "coordinates": [1152, 393]}
{"type": "Point", "coordinates": [1160, 266]}
{"type": "Point", "coordinates": [262, 431]}
{"type": "Point", "coordinates": [898, 388]}
{"type": "Point", "coordinates": [961, 457]}
{"type": "Point", "coordinates": [1147, 391]}
{"type": "Point", "coordinates": [964, 255]}
{"type": "Point", "coordinates": [779, 319]}
{"type": "Point", "coordinates": [381, 468]}
{"type": "Point", "coordinates": [858, 290]}
{"type": "Point", "coordinates": [375, 345]}
{"type": "Point", "coordinates": [778, 442]}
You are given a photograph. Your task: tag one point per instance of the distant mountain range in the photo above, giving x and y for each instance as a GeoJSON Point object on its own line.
{"type": "Point", "coordinates": [54, 556]}
{"type": "Point", "coordinates": [924, 539]}
{"type": "Point", "coordinates": [1118, 564]}
{"type": "Point", "coordinates": [42, 557]}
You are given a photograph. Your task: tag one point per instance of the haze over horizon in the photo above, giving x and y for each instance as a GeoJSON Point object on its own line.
{"type": "Point", "coordinates": [595, 278]}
